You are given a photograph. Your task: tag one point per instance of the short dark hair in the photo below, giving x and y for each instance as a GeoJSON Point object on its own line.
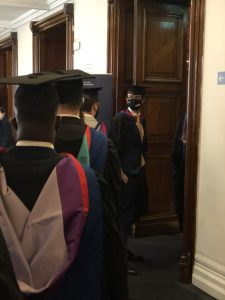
{"type": "Point", "coordinates": [2, 110]}
{"type": "Point", "coordinates": [70, 92]}
{"type": "Point", "coordinates": [36, 103]}
{"type": "Point", "coordinates": [90, 98]}
{"type": "Point", "coordinates": [136, 90]}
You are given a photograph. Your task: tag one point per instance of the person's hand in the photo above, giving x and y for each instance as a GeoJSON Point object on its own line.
{"type": "Point", "coordinates": [124, 177]}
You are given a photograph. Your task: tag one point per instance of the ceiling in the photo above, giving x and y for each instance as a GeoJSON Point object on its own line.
{"type": "Point", "coordinates": [14, 13]}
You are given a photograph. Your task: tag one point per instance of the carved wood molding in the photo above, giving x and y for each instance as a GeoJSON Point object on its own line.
{"type": "Point", "coordinates": [193, 117]}
{"type": "Point", "coordinates": [64, 16]}
{"type": "Point", "coordinates": [11, 41]}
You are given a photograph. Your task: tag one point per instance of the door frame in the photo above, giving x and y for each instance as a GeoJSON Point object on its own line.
{"type": "Point", "coordinates": [64, 16]}
{"type": "Point", "coordinates": [196, 31]}
{"type": "Point", "coordinates": [196, 36]}
{"type": "Point", "coordinates": [11, 42]}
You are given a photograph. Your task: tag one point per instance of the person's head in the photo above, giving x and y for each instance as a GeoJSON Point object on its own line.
{"type": "Point", "coordinates": [35, 112]}
{"type": "Point", "coordinates": [70, 93]}
{"type": "Point", "coordinates": [2, 112]}
{"type": "Point", "coordinates": [135, 97]}
{"type": "Point", "coordinates": [91, 104]}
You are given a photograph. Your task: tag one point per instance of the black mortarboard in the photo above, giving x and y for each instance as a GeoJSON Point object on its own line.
{"type": "Point", "coordinates": [46, 77]}
{"type": "Point", "coordinates": [73, 75]}
{"type": "Point", "coordinates": [89, 86]}
{"type": "Point", "coordinates": [90, 92]}
{"type": "Point", "coordinates": [136, 90]}
{"type": "Point", "coordinates": [70, 88]}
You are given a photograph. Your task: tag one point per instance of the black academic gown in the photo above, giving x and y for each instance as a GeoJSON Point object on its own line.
{"type": "Point", "coordinates": [6, 136]}
{"type": "Point", "coordinates": [126, 137]}
{"type": "Point", "coordinates": [104, 160]}
{"type": "Point", "coordinates": [26, 170]}
{"type": "Point", "coordinates": [178, 159]}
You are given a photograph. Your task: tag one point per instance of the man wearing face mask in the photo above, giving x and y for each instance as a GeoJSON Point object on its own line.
{"type": "Point", "coordinates": [127, 133]}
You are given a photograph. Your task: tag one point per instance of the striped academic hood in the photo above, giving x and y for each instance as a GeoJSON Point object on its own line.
{"type": "Point", "coordinates": [43, 242]}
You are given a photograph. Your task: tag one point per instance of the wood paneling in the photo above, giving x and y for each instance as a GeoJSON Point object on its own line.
{"type": "Point", "coordinates": [166, 109]}
{"type": "Point", "coordinates": [163, 58]}
{"type": "Point", "coordinates": [128, 46]}
{"type": "Point", "coordinates": [53, 48]}
{"type": "Point", "coordinates": [159, 44]}
{"type": "Point", "coordinates": [120, 48]}
{"type": "Point", "coordinates": [8, 68]}
{"type": "Point", "coordinates": [160, 172]}
{"type": "Point", "coordinates": [60, 27]}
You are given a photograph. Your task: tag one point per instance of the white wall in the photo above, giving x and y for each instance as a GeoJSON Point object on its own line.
{"type": "Point", "coordinates": [25, 60]}
{"type": "Point", "coordinates": [90, 31]}
{"type": "Point", "coordinates": [209, 268]}
{"type": "Point", "coordinates": [90, 19]}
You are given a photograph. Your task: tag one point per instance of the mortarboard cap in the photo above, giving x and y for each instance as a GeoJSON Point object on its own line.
{"type": "Point", "coordinates": [71, 87]}
{"type": "Point", "coordinates": [73, 75]}
{"type": "Point", "coordinates": [46, 77]}
{"type": "Point", "coordinates": [90, 91]}
{"type": "Point", "coordinates": [89, 86]}
{"type": "Point", "coordinates": [136, 90]}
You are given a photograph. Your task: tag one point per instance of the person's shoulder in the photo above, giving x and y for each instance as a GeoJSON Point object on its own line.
{"type": "Point", "coordinates": [4, 152]}
{"type": "Point", "coordinates": [98, 137]}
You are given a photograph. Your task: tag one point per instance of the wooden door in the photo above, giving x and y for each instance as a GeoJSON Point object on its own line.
{"type": "Point", "coordinates": [53, 41]}
{"type": "Point", "coordinates": [8, 68]}
{"type": "Point", "coordinates": [3, 73]}
{"type": "Point", "coordinates": [53, 48]}
{"type": "Point", "coordinates": [159, 66]}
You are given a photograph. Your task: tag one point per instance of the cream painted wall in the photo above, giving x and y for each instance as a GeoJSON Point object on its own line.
{"type": "Point", "coordinates": [90, 32]}
{"type": "Point", "coordinates": [90, 19]}
{"type": "Point", "coordinates": [25, 60]}
{"type": "Point", "coordinates": [209, 267]}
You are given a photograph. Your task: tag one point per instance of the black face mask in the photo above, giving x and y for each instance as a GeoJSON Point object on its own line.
{"type": "Point", "coordinates": [134, 104]}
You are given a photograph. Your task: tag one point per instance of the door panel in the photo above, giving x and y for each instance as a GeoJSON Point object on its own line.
{"type": "Point", "coordinates": [53, 41]}
{"type": "Point", "coordinates": [6, 70]}
{"type": "Point", "coordinates": [162, 46]}
{"type": "Point", "coordinates": [129, 41]}
{"type": "Point", "coordinates": [53, 49]}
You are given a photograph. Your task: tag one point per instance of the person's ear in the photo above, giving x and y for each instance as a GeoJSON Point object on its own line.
{"type": "Point", "coordinates": [57, 122]}
{"type": "Point", "coordinates": [96, 106]}
{"type": "Point", "coordinates": [14, 123]}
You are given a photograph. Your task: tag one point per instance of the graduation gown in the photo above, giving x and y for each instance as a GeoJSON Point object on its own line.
{"type": "Point", "coordinates": [178, 159]}
{"type": "Point", "coordinates": [6, 136]}
{"type": "Point", "coordinates": [26, 171]}
{"type": "Point", "coordinates": [102, 152]}
{"type": "Point", "coordinates": [130, 147]}
{"type": "Point", "coordinates": [104, 160]}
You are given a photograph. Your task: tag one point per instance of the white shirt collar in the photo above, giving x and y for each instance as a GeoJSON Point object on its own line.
{"type": "Point", "coordinates": [69, 115]}
{"type": "Point", "coordinates": [134, 113]}
{"type": "Point", "coordinates": [89, 115]}
{"type": "Point", "coordinates": [28, 143]}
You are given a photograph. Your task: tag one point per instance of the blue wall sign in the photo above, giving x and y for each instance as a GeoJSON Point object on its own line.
{"type": "Point", "coordinates": [221, 78]}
